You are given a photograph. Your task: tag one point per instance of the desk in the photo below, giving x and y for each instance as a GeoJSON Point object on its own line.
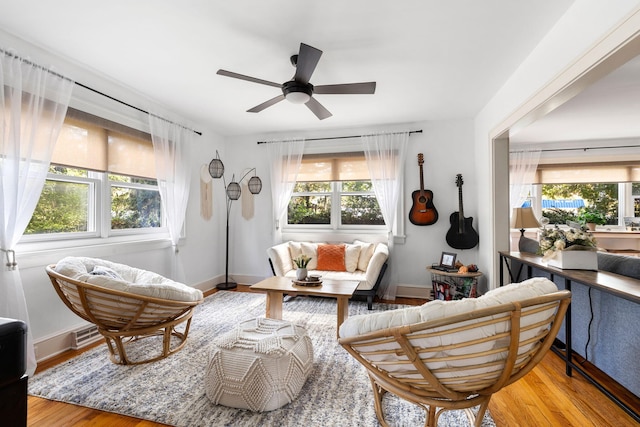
{"type": "Point", "coordinates": [624, 287]}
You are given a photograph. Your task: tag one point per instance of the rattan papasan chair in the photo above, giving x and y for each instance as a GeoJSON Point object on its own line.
{"type": "Point", "coordinates": [448, 355]}
{"type": "Point", "coordinates": [127, 305]}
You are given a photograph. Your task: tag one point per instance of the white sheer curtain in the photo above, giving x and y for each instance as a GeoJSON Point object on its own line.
{"type": "Point", "coordinates": [284, 159]}
{"type": "Point", "coordinates": [522, 170]}
{"type": "Point", "coordinates": [34, 104]}
{"type": "Point", "coordinates": [171, 143]}
{"type": "Point", "coordinates": [385, 154]}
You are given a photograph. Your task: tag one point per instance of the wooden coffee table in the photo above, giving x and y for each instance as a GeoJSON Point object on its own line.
{"type": "Point", "coordinates": [277, 286]}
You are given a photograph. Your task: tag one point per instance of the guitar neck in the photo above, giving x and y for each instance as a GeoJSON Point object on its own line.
{"type": "Point", "coordinates": [421, 181]}
{"type": "Point", "coordinates": [460, 210]}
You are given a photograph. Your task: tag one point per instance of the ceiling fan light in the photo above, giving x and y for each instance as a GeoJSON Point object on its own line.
{"type": "Point", "coordinates": [298, 97]}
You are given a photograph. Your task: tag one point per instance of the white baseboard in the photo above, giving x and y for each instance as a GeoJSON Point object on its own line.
{"type": "Point", "coordinates": [414, 291]}
{"type": "Point", "coordinates": [53, 345]}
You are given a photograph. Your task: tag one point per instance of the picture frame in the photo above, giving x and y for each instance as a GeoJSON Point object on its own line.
{"type": "Point", "coordinates": [448, 260]}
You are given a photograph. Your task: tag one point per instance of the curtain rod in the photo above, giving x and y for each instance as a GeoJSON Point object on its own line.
{"type": "Point", "coordinates": [347, 137]}
{"type": "Point", "coordinates": [578, 148]}
{"type": "Point", "coordinates": [133, 106]}
{"type": "Point", "coordinates": [26, 61]}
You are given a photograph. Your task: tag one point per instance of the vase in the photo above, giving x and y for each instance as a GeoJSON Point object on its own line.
{"type": "Point", "coordinates": [301, 273]}
{"type": "Point", "coordinates": [575, 260]}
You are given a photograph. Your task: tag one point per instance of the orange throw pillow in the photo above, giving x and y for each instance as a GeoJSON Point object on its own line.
{"type": "Point", "coordinates": [331, 258]}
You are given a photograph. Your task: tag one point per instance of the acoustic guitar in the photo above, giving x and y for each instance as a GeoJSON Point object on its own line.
{"type": "Point", "coordinates": [422, 212]}
{"type": "Point", "coordinates": [461, 235]}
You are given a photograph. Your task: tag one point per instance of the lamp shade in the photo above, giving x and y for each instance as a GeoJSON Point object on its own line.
{"type": "Point", "coordinates": [216, 168]}
{"type": "Point", "coordinates": [233, 191]}
{"type": "Point", "coordinates": [255, 185]}
{"type": "Point", "coordinates": [523, 218]}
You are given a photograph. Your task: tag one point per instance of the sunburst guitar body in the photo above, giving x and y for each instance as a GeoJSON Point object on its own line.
{"type": "Point", "coordinates": [423, 211]}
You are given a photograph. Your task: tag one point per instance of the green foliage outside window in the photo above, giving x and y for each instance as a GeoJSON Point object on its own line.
{"type": "Point", "coordinates": [62, 208]}
{"type": "Point", "coordinates": [312, 203]}
{"type": "Point", "coordinates": [603, 197]}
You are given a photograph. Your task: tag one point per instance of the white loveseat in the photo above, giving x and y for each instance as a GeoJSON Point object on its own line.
{"type": "Point", "coordinates": [364, 262]}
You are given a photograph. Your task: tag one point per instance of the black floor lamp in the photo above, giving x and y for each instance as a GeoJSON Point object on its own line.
{"type": "Point", "coordinates": [233, 191]}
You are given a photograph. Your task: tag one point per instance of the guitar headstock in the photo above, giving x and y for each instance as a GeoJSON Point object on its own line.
{"type": "Point", "coordinates": [459, 180]}
{"type": "Point", "coordinates": [420, 159]}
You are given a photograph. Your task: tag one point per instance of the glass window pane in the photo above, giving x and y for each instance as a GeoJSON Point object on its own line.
{"type": "Point", "coordinates": [355, 186]}
{"type": "Point", "coordinates": [63, 170]}
{"type": "Point", "coordinates": [600, 196]}
{"type": "Point", "coordinates": [309, 210]}
{"type": "Point", "coordinates": [132, 179]}
{"type": "Point", "coordinates": [360, 210]}
{"type": "Point", "coordinates": [63, 208]}
{"type": "Point", "coordinates": [134, 208]}
{"type": "Point", "coordinates": [312, 187]}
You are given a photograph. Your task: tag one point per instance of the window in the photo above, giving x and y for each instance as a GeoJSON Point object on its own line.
{"type": "Point", "coordinates": [635, 192]}
{"type": "Point", "coordinates": [334, 192]}
{"type": "Point", "coordinates": [101, 183]}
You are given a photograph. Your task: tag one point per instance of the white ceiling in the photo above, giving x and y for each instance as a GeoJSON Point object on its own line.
{"type": "Point", "coordinates": [607, 110]}
{"type": "Point", "coordinates": [431, 59]}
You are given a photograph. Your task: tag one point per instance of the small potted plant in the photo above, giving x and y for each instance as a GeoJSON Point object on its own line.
{"type": "Point", "coordinates": [591, 216]}
{"type": "Point", "coordinates": [301, 262]}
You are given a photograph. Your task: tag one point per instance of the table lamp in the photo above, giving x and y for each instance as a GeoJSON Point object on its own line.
{"type": "Point", "coordinates": [523, 218]}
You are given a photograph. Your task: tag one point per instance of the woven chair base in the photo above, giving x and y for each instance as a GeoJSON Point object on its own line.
{"type": "Point", "coordinates": [118, 342]}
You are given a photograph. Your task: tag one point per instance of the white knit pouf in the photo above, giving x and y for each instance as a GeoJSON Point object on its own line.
{"type": "Point", "coordinates": [260, 365]}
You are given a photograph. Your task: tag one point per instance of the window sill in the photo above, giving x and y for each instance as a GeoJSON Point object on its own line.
{"type": "Point", "coordinates": [36, 254]}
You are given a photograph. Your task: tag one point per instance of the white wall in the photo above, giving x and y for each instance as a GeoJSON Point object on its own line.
{"type": "Point", "coordinates": [448, 149]}
{"type": "Point", "coordinates": [200, 251]}
{"type": "Point", "coordinates": [584, 23]}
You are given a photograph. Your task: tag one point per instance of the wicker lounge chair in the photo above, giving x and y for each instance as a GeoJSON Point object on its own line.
{"type": "Point", "coordinates": [124, 309]}
{"type": "Point", "coordinates": [456, 361]}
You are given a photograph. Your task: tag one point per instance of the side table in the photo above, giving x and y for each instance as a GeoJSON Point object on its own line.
{"type": "Point", "coordinates": [453, 286]}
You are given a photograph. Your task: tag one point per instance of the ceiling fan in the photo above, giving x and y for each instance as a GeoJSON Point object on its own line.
{"type": "Point", "coordinates": [298, 90]}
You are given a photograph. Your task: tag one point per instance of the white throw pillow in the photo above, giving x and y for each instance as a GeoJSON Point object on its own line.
{"type": "Point", "coordinates": [351, 257]}
{"type": "Point", "coordinates": [310, 250]}
{"type": "Point", "coordinates": [295, 249]}
{"type": "Point", "coordinates": [366, 252]}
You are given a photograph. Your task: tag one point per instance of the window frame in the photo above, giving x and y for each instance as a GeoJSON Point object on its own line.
{"type": "Point", "coordinates": [335, 224]}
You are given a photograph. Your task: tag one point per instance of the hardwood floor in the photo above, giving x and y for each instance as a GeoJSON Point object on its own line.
{"type": "Point", "coordinates": [545, 397]}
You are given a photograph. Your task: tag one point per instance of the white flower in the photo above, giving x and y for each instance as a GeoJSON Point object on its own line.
{"type": "Point", "coordinates": [559, 245]}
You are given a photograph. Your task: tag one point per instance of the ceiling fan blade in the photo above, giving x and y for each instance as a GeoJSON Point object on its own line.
{"type": "Point", "coordinates": [307, 60]}
{"type": "Point", "coordinates": [367, 88]}
{"type": "Point", "coordinates": [247, 78]}
{"type": "Point", "coordinates": [318, 109]}
{"type": "Point", "coordinates": [266, 104]}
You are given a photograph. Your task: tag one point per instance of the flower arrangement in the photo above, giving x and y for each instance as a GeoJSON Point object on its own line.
{"type": "Point", "coordinates": [556, 239]}
{"type": "Point", "coordinates": [301, 261]}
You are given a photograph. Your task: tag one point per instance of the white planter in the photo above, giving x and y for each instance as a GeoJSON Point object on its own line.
{"type": "Point", "coordinates": [301, 273]}
{"type": "Point", "coordinates": [575, 260]}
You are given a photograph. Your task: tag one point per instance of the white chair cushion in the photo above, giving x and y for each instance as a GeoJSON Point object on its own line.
{"type": "Point", "coordinates": [438, 309]}
{"type": "Point", "coordinates": [451, 365]}
{"type": "Point", "coordinates": [132, 280]}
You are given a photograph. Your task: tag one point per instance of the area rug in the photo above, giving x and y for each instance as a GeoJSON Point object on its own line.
{"type": "Point", "coordinates": [171, 391]}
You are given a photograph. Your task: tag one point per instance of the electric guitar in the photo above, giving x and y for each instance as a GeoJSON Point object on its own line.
{"type": "Point", "coordinates": [423, 212]}
{"type": "Point", "coordinates": [461, 235]}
